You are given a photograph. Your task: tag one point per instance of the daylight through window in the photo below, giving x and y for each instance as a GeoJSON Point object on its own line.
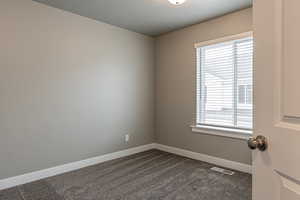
{"type": "Point", "coordinates": [224, 84]}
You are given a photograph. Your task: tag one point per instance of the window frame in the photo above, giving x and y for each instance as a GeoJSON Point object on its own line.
{"type": "Point", "coordinates": [227, 131]}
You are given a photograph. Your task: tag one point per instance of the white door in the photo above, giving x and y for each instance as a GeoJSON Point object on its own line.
{"type": "Point", "coordinates": [276, 171]}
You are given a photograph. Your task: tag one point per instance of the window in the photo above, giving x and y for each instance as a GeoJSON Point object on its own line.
{"type": "Point", "coordinates": [224, 84]}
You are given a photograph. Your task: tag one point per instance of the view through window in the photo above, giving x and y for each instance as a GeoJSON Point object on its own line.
{"type": "Point", "coordinates": [225, 84]}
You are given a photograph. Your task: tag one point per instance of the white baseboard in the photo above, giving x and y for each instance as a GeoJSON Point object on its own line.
{"type": "Point", "coordinates": [206, 158]}
{"type": "Point", "coordinates": [38, 175]}
{"type": "Point", "coordinates": [45, 173]}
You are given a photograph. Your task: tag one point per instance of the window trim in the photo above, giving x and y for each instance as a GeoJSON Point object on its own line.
{"type": "Point", "coordinates": [224, 39]}
{"type": "Point", "coordinates": [230, 132]}
{"type": "Point", "coordinates": [223, 132]}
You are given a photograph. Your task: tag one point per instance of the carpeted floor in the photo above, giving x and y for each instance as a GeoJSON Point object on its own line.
{"type": "Point", "coordinates": [151, 175]}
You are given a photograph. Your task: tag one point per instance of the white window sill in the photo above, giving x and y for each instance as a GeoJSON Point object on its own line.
{"type": "Point", "coordinates": [223, 132]}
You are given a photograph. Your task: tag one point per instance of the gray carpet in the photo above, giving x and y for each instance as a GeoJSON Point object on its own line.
{"type": "Point", "coordinates": [151, 175]}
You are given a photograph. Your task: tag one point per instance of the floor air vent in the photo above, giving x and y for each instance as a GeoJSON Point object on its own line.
{"type": "Point", "coordinates": [223, 171]}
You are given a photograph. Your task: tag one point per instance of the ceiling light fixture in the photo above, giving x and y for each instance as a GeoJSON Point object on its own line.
{"type": "Point", "coordinates": [176, 2]}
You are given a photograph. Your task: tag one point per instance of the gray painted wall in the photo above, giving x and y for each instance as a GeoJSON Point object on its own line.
{"type": "Point", "coordinates": [176, 82]}
{"type": "Point", "coordinates": [70, 87]}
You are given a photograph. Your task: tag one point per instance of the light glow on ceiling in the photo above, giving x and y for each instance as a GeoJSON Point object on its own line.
{"type": "Point", "coordinates": [176, 2]}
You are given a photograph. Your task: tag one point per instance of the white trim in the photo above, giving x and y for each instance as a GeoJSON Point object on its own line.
{"type": "Point", "coordinates": [206, 158]}
{"type": "Point", "coordinates": [45, 173]}
{"type": "Point", "coordinates": [224, 39]}
{"type": "Point", "coordinates": [223, 132]}
{"type": "Point", "coordinates": [38, 175]}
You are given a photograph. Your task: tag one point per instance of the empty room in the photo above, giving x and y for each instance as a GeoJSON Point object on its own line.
{"type": "Point", "coordinates": [149, 100]}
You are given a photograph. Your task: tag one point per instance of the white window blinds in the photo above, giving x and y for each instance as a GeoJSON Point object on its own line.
{"type": "Point", "coordinates": [224, 84]}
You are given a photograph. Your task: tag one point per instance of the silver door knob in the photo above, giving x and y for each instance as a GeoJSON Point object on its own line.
{"type": "Point", "coordinates": [259, 142]}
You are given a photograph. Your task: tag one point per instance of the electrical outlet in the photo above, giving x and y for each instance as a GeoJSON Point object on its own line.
{"type": "Point", "coordinates": [127, 137]}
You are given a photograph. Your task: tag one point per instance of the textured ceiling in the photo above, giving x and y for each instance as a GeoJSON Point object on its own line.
{"type": "Point", "coordinates": [150, 17]}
